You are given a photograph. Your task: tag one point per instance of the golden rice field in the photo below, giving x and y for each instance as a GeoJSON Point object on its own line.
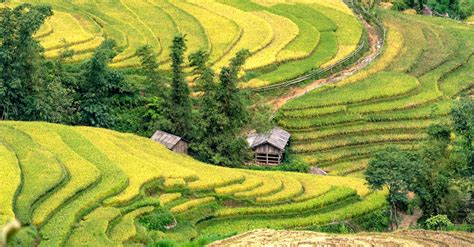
{"type": "Point", "coordinates": [76, 186]}
{"type": "Point", "coordinates": [294, 34]}
{"type": "Point", "coordinates": [426, 63]}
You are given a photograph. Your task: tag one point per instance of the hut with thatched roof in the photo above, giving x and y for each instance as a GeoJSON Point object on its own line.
{"type": "Point", "coordinates": [172, 142]}
{"type": "Point", "coordinates": [269, 148]}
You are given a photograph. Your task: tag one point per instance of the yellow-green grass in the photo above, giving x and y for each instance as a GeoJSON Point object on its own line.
{"type": "Point", "coordinates": [250, 182]}
{"type": "Point", "coordinates": [380, 85]}
{"type": "Point", "coordinates": [81, 172]}
{"type": "Point", "coordinates": [459, 80]}
{"type": "Point", "coordinates": [271, 185]}
{"type": "Point", "coordinates": [139, 171]}
{"type": "Point", "coordinates": [9, 182]}
{"type": "Point", "coordinates": [394, 43]}
{"type": "Point", "coordinates": [181, 208]}
{"type": "Point", "coordinates": [41, 172]}
{"type": "Point", "coordinates": [326, 49]}
{"type": "Point", "coordinates": [104, 211]}
{"type": "Point", "coordinates": [257, 33]}
{"type": "Point", "coordinates": [347, 167]}
{"type": "Point", "coordinates": [330, 197]}
{"type": "Point", "coordinates": [348, 33]}
{"type": "Point", "coordinates": [368, 204]}
{"type": "Point", "coordinates": [291, 188]}
{"type": "Point", "coordinates": [187, 24]}
{"type": "Point", "coordinates": [86, 47]}
{"type": "Point", "coordinates": [284, 32]}
{"type": "Point", "coordinates": [304, 44]}
{"type": "Point", "coordinates": [62, 25]}
{"type": "Point", "coordinates": [125, 229]}
{"type": "Point", "coordinates": [221, 31]}
{"type": "Point", "coordinates": [361, 128]}
{"type": "Point", "coordinates": [92, 230]}
{"type": "Point", "coordinates": [343, 154]}
{"type": "Point", "coordinates": [168, 198]}
{"type": "Point", "coordinates": [346, 141]}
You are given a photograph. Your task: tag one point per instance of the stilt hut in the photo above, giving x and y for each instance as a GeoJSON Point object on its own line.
{"type": "Point", "coordinates": [269, 148]}
{"type": "Point", "coordinates": [172, 142]}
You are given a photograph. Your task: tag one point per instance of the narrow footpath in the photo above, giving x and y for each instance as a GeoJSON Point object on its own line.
{"type": "Point", "coordinates": [376, 46]}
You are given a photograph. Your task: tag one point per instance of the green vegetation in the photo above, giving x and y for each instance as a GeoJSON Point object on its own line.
{"type": "Point", "coordinates": [393, 101]}
{"type": "Point", "coordinates": [128, 192]}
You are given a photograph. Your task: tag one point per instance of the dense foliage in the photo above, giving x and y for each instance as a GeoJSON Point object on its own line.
{"type": "Point", "coordinates": [93, 94]}
{"type": "Point", "coordinates": [439, 172]}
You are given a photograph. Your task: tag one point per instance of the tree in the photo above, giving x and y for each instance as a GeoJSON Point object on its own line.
{"type": "Point", "coordinates": [180, 113]}
{"type": "Point", "coordinates": [101, 89]}
{"type": "Point", "coordinates": [20, 59]}
{"type": "Point", "coordinates": [395, 170]}
{"type": "Point", "coordinates": [149, 66]}
{"type": "Point", "coordinates": [462, 115]}
{"type": "Point", "coordinates": [222, 112]}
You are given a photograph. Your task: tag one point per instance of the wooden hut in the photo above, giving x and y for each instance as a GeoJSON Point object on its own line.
{"type": "Point", "coordinates": [269, 148]}
{"type": "Point", "coordinates": [172, 142]}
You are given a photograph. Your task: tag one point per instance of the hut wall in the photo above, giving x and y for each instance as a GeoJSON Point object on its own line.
{"type": "Point", "coordinates": [267, 149]}
{"type": "Point", "coordinates": [268, 155]}
{"type": "Point", "coordinates": [181, 147]}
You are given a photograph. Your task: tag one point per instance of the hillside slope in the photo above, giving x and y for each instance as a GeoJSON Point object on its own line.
{"type": "Point", "coordinates": [82, 185]}
{"type": "Point", "coordinates": [426, 63]}
{"type": "Point", "coordinates": [285, 39]}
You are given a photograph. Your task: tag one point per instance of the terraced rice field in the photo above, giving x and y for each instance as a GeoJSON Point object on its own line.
{"type": "Point", "coordinates": [426, 63]}
{"type": "Point", "coordinates": [298, 238]}
{"type": "Point", "coordinates": [87, 186]}
{"type": "Point", "coordinates": [286, 39]}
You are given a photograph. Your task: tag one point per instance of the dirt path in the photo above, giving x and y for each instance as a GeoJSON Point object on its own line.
{"type": "Point", "coordinates": [409, 219]}
{"type": "Point", "coordinates": [375, 46]}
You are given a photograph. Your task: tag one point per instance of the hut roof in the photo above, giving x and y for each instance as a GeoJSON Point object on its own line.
{"type": "Point", "coordinates": [277, 137]}
{"type": "Point", "coordinates": [167, 139]}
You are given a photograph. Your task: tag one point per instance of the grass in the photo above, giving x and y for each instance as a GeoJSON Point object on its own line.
{"type": "Point", "coordinates": [135, 176]}
{"type": "Point", "coordinates": [278, 34]}
{"type": "Point", "coordinates": [181, 208]}
{"type": "Point", "coordinates": [371, 202]}
{"type": "Point", "coordinates": [257, 33]}
{"type": "Point", "coordinates": [393, 101]}
{"type": "Point", "coordinates": [9, 182]}
{"type": "Point", "coordinates": [284, 32]}
{"type": "Point", "coordinates": [81, 172]}
{"type": "Point", "coordinates": [125, 229]}
{"type": "Point", "coordinates": [330, 197]}
{"type": "Point", "coordinates": [380, 85]}
{"type": "Point", "coordinates": [42, 174]}
{"type": "Point", "coordinates": [348, 33]}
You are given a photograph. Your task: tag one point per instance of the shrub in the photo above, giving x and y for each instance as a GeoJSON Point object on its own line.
{"type": "Point", "coordinates": [157, 220]}
{"type": "Point", "coordinates": [439, 222]}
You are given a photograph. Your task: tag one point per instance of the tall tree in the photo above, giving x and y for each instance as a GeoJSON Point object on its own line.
{"type": "Point", "coordinates": [228, 95]}
{"type": "Point", "coordinates": [222, 112]}
{"type": "Point", "coordinates": [101, 89]}
{"type": "Point", "coordinates": [395, 170]}
{"type": "Point", "coordinates": [180, 113]}
{"type": "Point", "coordinates": [20, 59]}
{"type": "Point", "coordinates": [462, 115]}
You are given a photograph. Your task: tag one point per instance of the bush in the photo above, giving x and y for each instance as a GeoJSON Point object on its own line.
{"type": "Point", "coordinates": [157, 220]}
{"type": "Point", "coordinates": [164, 243]}
{"type": "Point", "coordinates": [377, 221]}
{"type": "Point", "coordinates": [294, 165]}
{"type": "Point", "coordinates": [399, 5]}
{"type": "Point", "coordinates": [439, 222]}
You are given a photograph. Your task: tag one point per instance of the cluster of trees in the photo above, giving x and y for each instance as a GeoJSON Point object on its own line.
{"type": "Point", "coordinates": [440, 173]}
{"type": "Point", "coordinates": [212, 122]}
{"type": "Point", "coordinates": [33, 88]}
{"type": "Point", "coordinates": [455, 8]}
